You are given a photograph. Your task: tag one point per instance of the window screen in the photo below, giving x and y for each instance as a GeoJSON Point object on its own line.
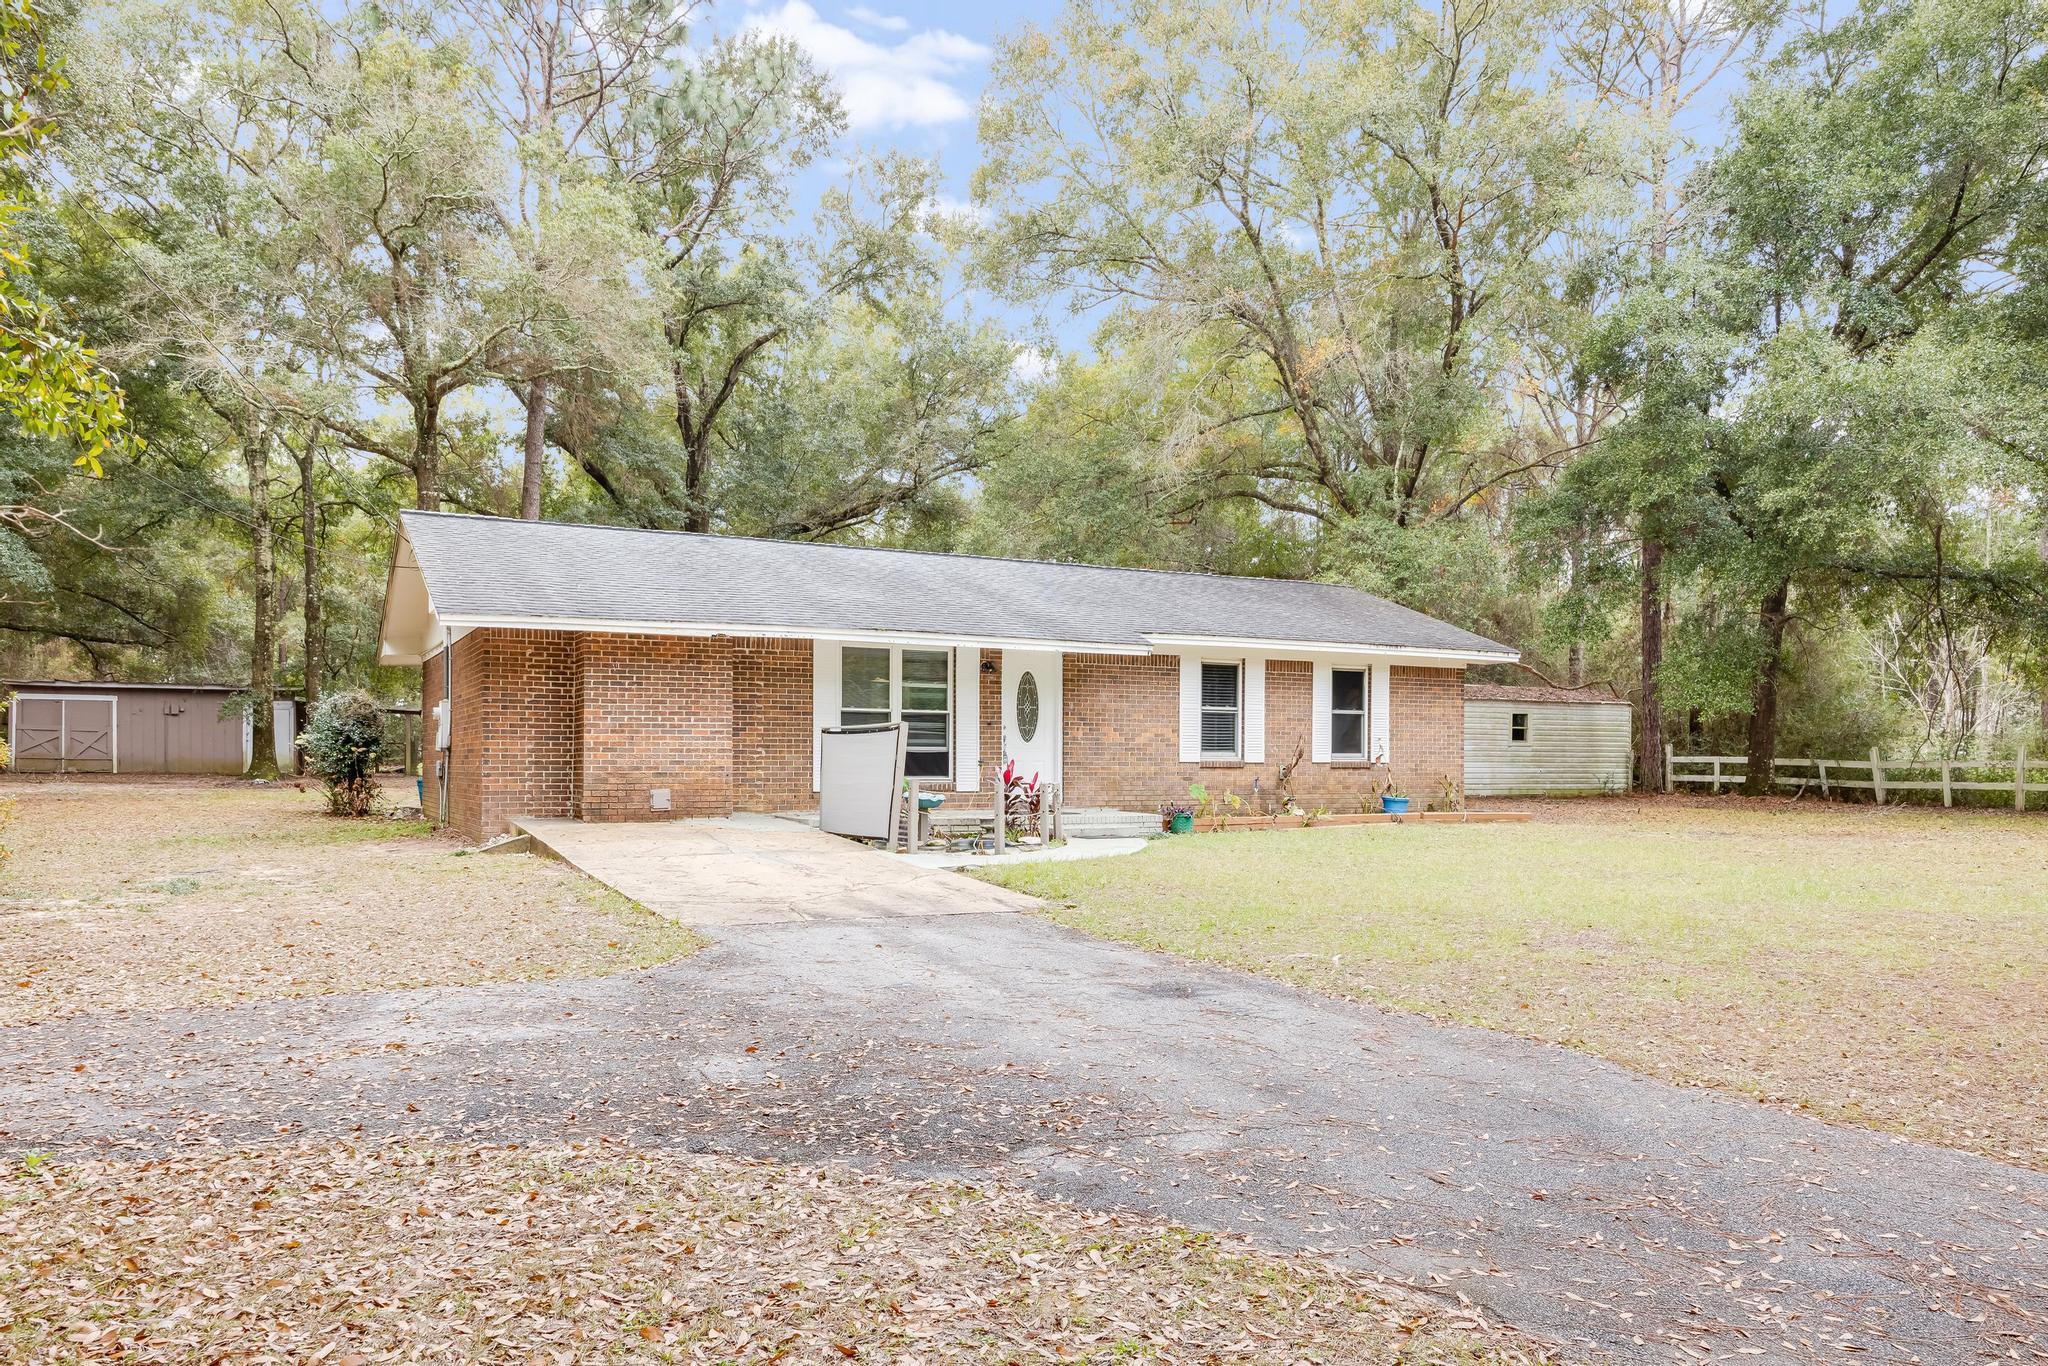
{"type": "Point", "coordinates": [1347, 713]}
{"type": "Point", "coordinates": [864, 686]}
{"type": "Point", "coordinates": [925, 708]}
{"type": "Point", "coordinates": [1220, 685]}
{"type": "Point", "coordinates": [878, 685]}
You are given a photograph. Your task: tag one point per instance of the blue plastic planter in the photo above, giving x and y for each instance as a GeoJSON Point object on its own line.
{"type": "Point", "coordinates": [1394, 806]}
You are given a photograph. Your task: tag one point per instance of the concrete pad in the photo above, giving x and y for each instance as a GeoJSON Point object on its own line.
{"type": "Point", "coordinates": [1066, 853]}
{"type": "Point", "coordinates": [758, 870]}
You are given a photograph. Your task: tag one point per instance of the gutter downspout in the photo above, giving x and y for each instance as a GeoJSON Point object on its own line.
{"type": "Point", "coordinates": [448, 713]}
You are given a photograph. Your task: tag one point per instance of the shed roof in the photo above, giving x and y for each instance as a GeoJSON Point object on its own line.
{"type": "Point", "coordinates": [454, 570]}
{"type": "Point", "coordinates": [110, 685]}
{"type": "Point", "coordinates": [1515, 692]}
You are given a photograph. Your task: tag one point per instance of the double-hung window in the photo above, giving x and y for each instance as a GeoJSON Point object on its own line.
{"type": "Point", "coordinates": [1518, 726]}
{"type": "Point", "coordinates": [1347, 713]}
{"type": "Point", "coordinates": [879, 684]}
{"type": "Point", "coordinates": [1222, 710]}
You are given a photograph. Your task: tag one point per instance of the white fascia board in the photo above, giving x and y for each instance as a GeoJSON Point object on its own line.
{"type": "Point", "coordinates": [408, 609]}
{"type": "Point", "coordinates": [851, 637]}
{"type": "Point", "coordinates": [1309, 649]}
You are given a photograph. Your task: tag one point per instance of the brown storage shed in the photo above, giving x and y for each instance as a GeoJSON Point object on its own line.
{"type": "Point", "coordinates": [63, 727]}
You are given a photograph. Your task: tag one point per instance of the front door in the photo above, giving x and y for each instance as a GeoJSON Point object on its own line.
{"type": "Point", "coordinates": [1031, 712]}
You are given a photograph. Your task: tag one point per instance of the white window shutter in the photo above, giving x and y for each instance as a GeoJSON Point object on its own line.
{"type": "Point", "coordinates": [824, 697]}
{"type": "Point", "coordinates": [1255, 710]}
{"type": "Point", "coordinates": [1190, 710]}
{"type": "Point", "coordinates": [1382, 751]}
{"type": "Point", "coordinates": [1319, 715]}
{"type": "Point", "coordinates": [967, 718]}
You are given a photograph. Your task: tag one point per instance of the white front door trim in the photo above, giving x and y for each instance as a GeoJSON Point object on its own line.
{"type": "Point", "coordinates": [1041, 754]}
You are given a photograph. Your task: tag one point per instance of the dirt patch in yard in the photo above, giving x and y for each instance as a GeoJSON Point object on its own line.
{"type": "Point", "coordinates": [496, 1254]}
{"type": "Point", "coordinates": [1878, 966]}
{"type": "Point", "coordinates": [123, 898]}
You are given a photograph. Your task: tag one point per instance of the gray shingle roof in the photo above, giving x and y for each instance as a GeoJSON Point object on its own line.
{"type": "Point", "coordinates": [494, 567]}
{"type": "Point", "coordinates": [1526, 692]}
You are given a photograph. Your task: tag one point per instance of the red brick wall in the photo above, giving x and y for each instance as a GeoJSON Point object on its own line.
{"type": "Point", "coordinates": [512, 734]}
{"type": "Point", "coordinates": [1123, 737]}
{"type": "Point", "coordinates": [1426, 725]}
{"type": "Point", "coordinates": [557, 723]}
{"type": "Point", "coordinates": [771, 725]}
{"type": "Point", "coordinates": [652, 712]}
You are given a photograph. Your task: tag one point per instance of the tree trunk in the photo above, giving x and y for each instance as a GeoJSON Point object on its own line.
{"type": "Point", "coordinates": [696, 457]}
{"type": "Point", "coordinates": [696, 475]}
{"type": "Point", "coordinates": [263, 638]}
{"type": "Point", "coordinates": [536, 449]}
{"type": "Point", "coordinates": [309, 525]}
{"type": "Point", "coordinates": [1650, 719]}
{"type": "Point", "coordinates": [1575, 656]}
{"type": "Point", "coordinates": [1763, 707]}
{"type": "Point", "coordinates": [2044, 560]}
{"type": "Point", "coordinates": [426, 454]}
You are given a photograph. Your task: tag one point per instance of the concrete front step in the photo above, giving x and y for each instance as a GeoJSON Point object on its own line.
{"type": "Point", "coordinates": [1085, 823]}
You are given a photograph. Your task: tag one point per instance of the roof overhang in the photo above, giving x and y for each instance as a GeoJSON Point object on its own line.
{"type": "Point", "coordinates": [1253, 645]}
{"type": "Point", "coordinates": [848, 634]}
{"type": "Point", "coordinates": [409, 631]}
{"type": "Point", "coordinates": [412, 630]}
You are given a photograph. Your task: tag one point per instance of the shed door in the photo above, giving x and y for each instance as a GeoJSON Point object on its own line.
{"type": "Point", "coordinates": [89, 734]}
{"type": "Point", "coordinates": [38, 733]}
{"type": "Point", "coordinates": [64, 734]}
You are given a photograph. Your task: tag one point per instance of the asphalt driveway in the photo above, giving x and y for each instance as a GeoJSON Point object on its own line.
{"type": "Point", "coordinates": [1615, 1215]}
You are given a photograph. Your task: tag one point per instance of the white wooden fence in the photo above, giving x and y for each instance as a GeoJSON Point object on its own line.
{"type": "Point", "coordinates": [1865, 775]}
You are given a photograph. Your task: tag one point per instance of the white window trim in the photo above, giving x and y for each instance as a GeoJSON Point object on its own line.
{"type": "Point", "coordinates": [1236, 753]}
{"type": "Point", "coordinates": [950, 712]}
{"type": "Point", "coordinates": [1364, 713]}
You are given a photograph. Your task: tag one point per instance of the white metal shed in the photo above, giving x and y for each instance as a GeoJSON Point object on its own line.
{"type": "Point", "coordinates": [1527, 741]}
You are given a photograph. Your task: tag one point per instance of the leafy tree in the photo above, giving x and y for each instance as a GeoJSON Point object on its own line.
{"type": "Point", "coordinates": [51, 384]}
{"type": "Point", "coordinates": [1811, 426]}
{"type": "Point", "coordinates": [1329, 215]}
{"type": "Point", "coordinates": [565, 79]}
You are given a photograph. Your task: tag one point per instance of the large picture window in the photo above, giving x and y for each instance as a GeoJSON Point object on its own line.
{"type": "Point", "coordinates": [879, 684]}
{"type": "Point", "coordinates": [1222, 710]}
{"type": "Point", "coordinates": [1347, 713]}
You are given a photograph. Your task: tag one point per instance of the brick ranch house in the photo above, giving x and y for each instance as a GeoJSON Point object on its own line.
{"type": "Point", "coordinates": [610, 674]}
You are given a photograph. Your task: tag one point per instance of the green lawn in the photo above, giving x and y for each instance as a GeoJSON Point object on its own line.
{"type": "Point", "coordinates": [1879, 967]}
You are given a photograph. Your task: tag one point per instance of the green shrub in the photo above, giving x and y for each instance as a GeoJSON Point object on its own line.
{"type": "Point", "coordinates": [342, 744]}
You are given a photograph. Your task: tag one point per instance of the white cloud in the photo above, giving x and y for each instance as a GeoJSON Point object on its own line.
{"type": "Point", "coordinates": [1031, 365]}
{"type": "Point", "coordinates": [885, 85]}
{"type": "Point", "coordinates": [894, 23]}
{"type": "Point", "coordinates": [966, 210]}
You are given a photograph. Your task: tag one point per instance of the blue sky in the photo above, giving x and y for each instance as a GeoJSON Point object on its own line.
{"type": "Point", "coordinates": [909, 73]}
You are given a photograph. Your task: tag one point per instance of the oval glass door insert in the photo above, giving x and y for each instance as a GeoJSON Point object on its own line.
{"type": "Point", "coordinates": [1027, 707]}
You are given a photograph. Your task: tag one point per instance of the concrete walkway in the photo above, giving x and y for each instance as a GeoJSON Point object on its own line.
{"type": "Point", "coordinates": [758, 870]}
{"type": "Point", "coordinates": [1072, 851]}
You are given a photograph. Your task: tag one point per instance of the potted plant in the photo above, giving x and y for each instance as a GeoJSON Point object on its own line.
{"type": "Point", "coordinates": [1178, 817]}
{"type": "Point", "coordinates": [1393, 801]}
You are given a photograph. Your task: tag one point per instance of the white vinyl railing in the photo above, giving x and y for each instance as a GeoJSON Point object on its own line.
{"type": "Point", "coordinates": [1865, 775]}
